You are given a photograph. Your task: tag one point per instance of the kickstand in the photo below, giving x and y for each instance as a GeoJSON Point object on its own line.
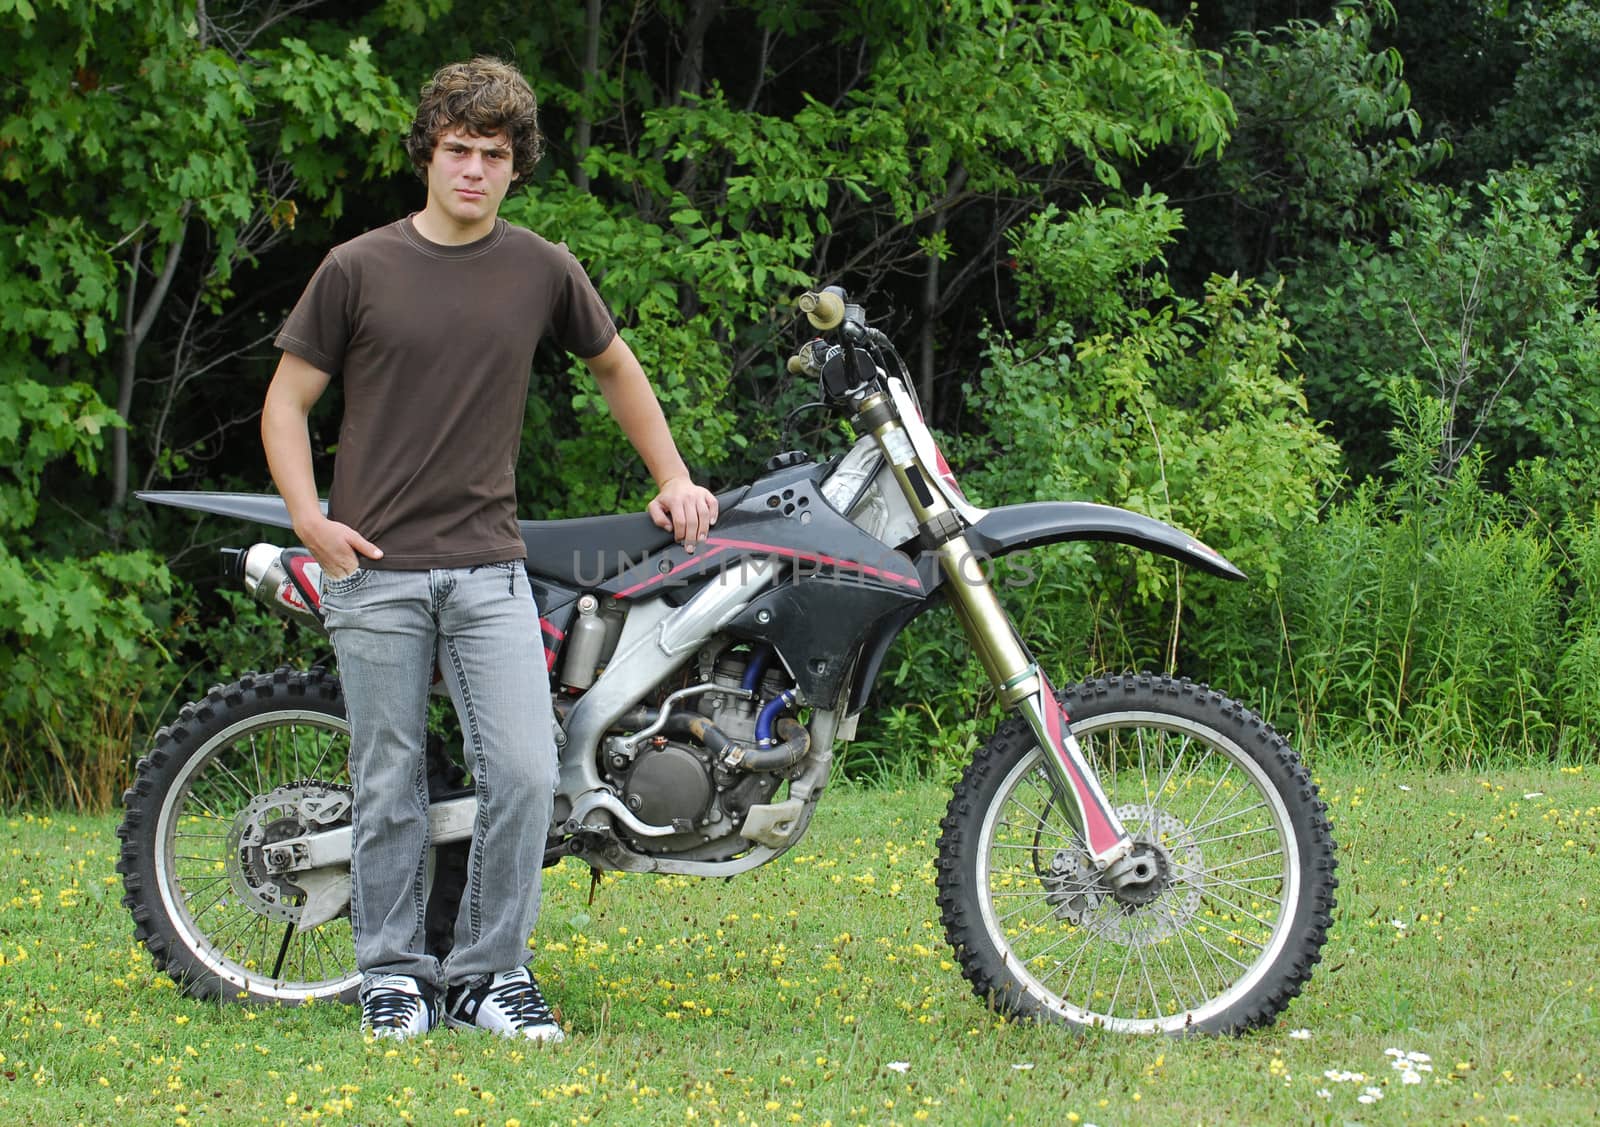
{"type": "Point", "coordinates": [595, 876]}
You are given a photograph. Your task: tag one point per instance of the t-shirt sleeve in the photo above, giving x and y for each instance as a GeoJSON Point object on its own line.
{"type": "Point", "coordinates": [318, 328]}
{"type": "Point", "coordinates": [581, 323]}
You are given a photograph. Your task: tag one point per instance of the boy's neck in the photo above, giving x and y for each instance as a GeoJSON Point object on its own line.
{"type": "Point", "coordinates": [436, 226]}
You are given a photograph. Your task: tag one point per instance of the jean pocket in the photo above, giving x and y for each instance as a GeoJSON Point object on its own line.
{"type": "Point", "coordinates": [509, 570]}
{"type": "Point", "coordinates": [345, 583]}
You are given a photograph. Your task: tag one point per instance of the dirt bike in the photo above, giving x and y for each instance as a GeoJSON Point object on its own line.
{"type": "Point", "coordinates": [1136, 852]}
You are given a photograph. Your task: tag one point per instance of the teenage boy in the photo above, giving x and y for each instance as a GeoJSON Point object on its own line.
{"type": "Point", "coordinates": [431, 323]}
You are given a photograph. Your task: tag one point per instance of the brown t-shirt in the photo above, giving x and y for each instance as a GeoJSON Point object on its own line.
{"type": "Point", "coordinates": [435, 346]}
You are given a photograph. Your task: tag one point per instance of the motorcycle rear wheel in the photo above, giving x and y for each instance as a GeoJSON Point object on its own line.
{"type": "Point", "coordinates": [1236, 920]}
{"type": "Point", "coordinates": [228, 773]}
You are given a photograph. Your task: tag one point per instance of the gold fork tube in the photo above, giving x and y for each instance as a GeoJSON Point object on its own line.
{"type": "Point", "coordinates": [1017, 678]}
{"type": "Point", "coordinates": [973, 600]}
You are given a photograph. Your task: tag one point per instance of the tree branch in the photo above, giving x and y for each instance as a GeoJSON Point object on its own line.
{"type": "Point", "coordinates": [583, 135]}
{"type": "Point", "coordinates": [135, 330]}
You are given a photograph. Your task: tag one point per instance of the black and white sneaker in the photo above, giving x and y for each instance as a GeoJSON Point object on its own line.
{"type": "Point", "coordinates": [508, 1004]}
{"type": "Point", "coordinates": [397, 1006]}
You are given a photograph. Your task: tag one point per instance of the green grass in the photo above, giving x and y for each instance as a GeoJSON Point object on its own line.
{"type": "Point", "coordinates": [819, 990]}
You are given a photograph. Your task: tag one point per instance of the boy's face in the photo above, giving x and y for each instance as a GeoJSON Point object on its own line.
{"type": "Point", "coordinates": [469, 176]}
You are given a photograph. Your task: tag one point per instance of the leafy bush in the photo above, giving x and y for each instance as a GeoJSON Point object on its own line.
{"type": "Point", "coordinates": [81, 651]}
{"type": "Point", "coordinates": [74, 633]}
{"type": "Point", "coordinates": [1551, 120]}
{"type": "Point", "coordinates": [1486, 300]}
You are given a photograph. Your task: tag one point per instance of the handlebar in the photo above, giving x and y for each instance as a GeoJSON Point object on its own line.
{"type": "Point", "coordinates": [824, 310]}
{"type": "Point", "coordinates": [852, 364]}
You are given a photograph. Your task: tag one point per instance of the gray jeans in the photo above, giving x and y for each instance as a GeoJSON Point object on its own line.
{"type": "Point", "coordinates": [481, 627]}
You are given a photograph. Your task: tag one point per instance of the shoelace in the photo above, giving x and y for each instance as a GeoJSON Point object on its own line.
{"type": "Point", "coordinates": [522, 1003]}
{"type": "Point", "coordinates": [389, 1007]}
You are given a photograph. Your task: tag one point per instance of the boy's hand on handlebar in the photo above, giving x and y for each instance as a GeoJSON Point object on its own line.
{"type": "Point", "coordinates": [337, 547]}
{"type": "Point", "coordinates": [687, 509]}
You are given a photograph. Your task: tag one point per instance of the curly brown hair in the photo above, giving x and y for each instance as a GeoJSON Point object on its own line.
{"type": "Point", "coordinates": [481, 97]}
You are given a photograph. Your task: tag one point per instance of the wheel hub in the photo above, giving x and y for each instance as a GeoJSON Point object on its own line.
{"type": "Point", "coordinates": [1149, 896]}
{"type": "Point", "coordinates": [279, 815]}
{"type": "Point", "coordinates": [1140, 877]}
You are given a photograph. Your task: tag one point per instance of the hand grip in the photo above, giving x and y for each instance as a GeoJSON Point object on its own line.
{"type": "Point", "coordinates": [824, 310]}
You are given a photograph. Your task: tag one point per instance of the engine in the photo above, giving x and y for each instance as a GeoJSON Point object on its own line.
{"type": "Point", "coordinates": [672, 778]}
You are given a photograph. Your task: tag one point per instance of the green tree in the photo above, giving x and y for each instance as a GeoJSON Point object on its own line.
{"type": "Point", "coordinates": [1327, 137]}
{"type": "Point", "coordinates": [1114, 388]}
{"type": "Point", "coordinates": [1550, 119]}
{"type": "Point", "coordinates": [1486, 300]}
{"type": "Point", "coordinates": [148, 156]}
{"type": "Point", "coordinates": [1118, 389]}
{"type": "Point", "coordinates": [703, 187]}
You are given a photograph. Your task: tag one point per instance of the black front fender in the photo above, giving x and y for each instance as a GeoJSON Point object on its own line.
{"type": "Point", "coordinates": [1015, 527]}
{"type": "Point", "coordinates": [1018, 527]}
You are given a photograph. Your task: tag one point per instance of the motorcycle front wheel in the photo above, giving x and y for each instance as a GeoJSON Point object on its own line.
{"type": "Point", "coordinates": [263, 759]}
{"type": "Point", "coordinates": [1214, 799]}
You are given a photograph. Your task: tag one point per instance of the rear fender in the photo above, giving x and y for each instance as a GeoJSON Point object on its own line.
{"type": "Point", "coordinates": [262, 508]}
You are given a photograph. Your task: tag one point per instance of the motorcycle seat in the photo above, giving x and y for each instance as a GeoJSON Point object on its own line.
{"type": "Point", "coordinates": [586, 551]}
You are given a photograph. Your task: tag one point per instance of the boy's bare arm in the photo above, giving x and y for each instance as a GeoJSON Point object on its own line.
{"type": "Point", "coordinates": [689, 510]}
{"type": "Point", "coordinates": [286, 437]}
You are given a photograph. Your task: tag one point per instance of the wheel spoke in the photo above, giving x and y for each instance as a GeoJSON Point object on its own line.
{"type": "Point", "coordinates": [1194, 972]}
{"type": "Point", "coordinates": [1208, 894]}
{"type": "Point", "coordinates": [316, 769]}
{"type": "Point", "coordinates": [255, 763]}
{"type": "Point", "coordinates": [238, 783]}
{"type": "Point", "coordinates": [219, 898]}
{"type": "Point", "coordinates": [1222, 816]}
{"type": "Point", "coordinates": [1217, 784]}
{"type": "Point", "coordinates": [206, 792]}
{"type": "Point", "coordinates": [1215, 950]}
{"type": "Point", "coordinates": [1189, 839]}
{"type": "Point", "coordinates": [1240, 887]}
{"type": "Point", "coordinates": [1149, 981]}
{"type": "Point", "coordinates": [238, 923]}
{"type": "Point", "coordinates": [1071, 958]}
{"type": "Point", "coordinates": [1041, 898]}
{"type": "Point", "coordinates": [1177, 759]}
{"type": "Point", "coordinates": [1228, 817]}
{"type": "Point", "coordinates": [1122, 974]}
{"type": "Point", "coordinates": [1070, 839]}
{"type": "Point", "coordinates": [1234, 864]}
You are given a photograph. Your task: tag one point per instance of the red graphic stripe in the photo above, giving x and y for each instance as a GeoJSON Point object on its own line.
{"type": "Point", "coordinates": [721, 544]}
{"type": "Point", "coordinates": [1102, 835]}
{"type": "Point", "coordinates": [692, 561]}
{"type": "Point", "coordinates": [946, 472]}
{"type": "Point", "coordinates": [298, 565]}
{"type": "Point", "coordinates": [910, 581]}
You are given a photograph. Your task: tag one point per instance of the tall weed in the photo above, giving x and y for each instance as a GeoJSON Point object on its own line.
{"type": "Point", "coordinates": [1423, 613]}
{"type": "Point", "coordinates": [1577, 674]}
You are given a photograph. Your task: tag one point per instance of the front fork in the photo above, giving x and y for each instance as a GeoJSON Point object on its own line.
{"type": "Point", "coordinates": [1017, 678]}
